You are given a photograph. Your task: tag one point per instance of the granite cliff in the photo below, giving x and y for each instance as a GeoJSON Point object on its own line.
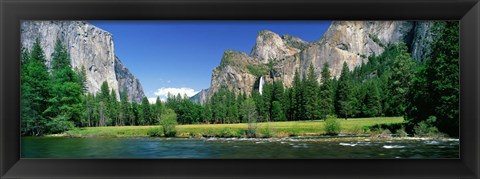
{"type": "Point", "coordinates": [89, 47]}
{"type": "Point", "coordinates": [344, 41]}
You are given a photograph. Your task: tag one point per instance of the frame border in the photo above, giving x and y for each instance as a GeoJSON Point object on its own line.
{"type": "Point", "coordinates": [13, 11]}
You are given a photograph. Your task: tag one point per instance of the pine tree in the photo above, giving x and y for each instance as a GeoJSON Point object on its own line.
{"type": "Point", "coordinates": [232, 113]}
{"type": "Point", "coordinates": [297, 94]}
{"type": "Point", "coordinates": [344, 94]}
{"type": "Point", "coordinates": [82, 79]}
{"type": "Point", "coordinates": [249, 113]}
{"type": "Point", "coordinates": [114, 109]}
{"type": "Point", "coordinates": [288, 103]}
{"type": "Point", "coordinates": [145, 111]}
{"type": "Point", "coordinates": [96, 111]}
{"type": "Point", "coordinates": [277, 112]}
{"type": "Point", "coordinates": [35, 84]}
{"type": "Point", "coordinates": [241, 97]}
{"type": "Point", "coordinates": [278, 91]}
{"type": "Point", "coordinates": [207, 113]}
{"type": "Point", "coordinates": [219, 107]}
{"type": "Point", "coordinates": [66, 106]}
{"type": "Point", "coordinates": [259, 106]}
{"type": "Point", "coordinates": [90, 109]}
{"type": "Point", "coordinates": [280, 97]}
{"type": "Point", "coordinates": [399, 81]}
{"type": "Point", "coordinates": [125, 108]}
{"type": "Point", "coordinates": [60, 58]}
{"type": "Point", "coordinates": [158, 109]}
{"type": "Point", "coordinates": [267, 95]}
{"type": "Point", "coordinates": [134, 115]}
{"type": "Point", "coordinates": [37, 54]}
{"type": "Point", "coordinates": [312, 110]}
{"type": "Point", "coordinates": [104, 101]}
{"type": "Point", "coordinates": [372, 105]}
{"type": "Point", "coordinates": [326, 92]}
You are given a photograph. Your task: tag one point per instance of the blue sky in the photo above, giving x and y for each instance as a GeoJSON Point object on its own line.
{"type": "Point", "coordinates": [179, 56]}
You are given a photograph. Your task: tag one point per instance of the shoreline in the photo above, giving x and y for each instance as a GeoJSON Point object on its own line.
{"type": "Point", "coordinates": [359, 127]}
{"type": "Point", "coordinates": [340, 137]}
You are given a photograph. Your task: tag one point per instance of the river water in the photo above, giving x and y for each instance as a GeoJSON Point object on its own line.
{"type": "Point", "coordinates": [149, 147]}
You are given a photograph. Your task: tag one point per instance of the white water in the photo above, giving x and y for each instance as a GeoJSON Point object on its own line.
{"type": "Point", "coordinates": [393, 146]}
{"type": "Point", "coordinates": [260, 88]}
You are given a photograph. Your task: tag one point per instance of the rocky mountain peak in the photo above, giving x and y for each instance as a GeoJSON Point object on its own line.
{"type": "Point", "coordinates": [234, 58]}
{"type": "Point", "coordinates": [294, 42]}
{"type": "Point", "coordinates": [344, 41]}
{"type": "Point", "coordinates": [270, 45]}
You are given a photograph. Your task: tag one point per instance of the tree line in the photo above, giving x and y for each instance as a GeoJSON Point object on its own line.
{"type": "Point", "coordinates": [425, 92]}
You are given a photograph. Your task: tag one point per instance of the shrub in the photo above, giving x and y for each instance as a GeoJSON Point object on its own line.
{"type": "Point", "coordinates": [266, 132]}
{"type": "Point", "coordinates": [401, 132]}
{"type": "Point", "coordinates": [427, 128]}
{"type": "Point", "coordinates": [393, 128]}
{"type": "Point", "coordinates": [365, 129]}
{"type": "Point", "coordinates": [249, 113]}
{"type": "Point", "coordinates": [424, 129]}
{"type": "Point", "coordinates": [251, 131]}
{"type": "Point", "coordinates": [332, 126]}
{"type": "Point", "coordinates": [169, 123]}
{"type": "Point", "coordinates": [59, 124]}
{"type": "Point", "coordinates": [155, 132]}
{"type": "Point", "coordinates": [228, 132]}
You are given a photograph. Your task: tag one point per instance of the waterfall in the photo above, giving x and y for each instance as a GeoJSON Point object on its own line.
{"type": "Point", "coordinates": [260, 86]}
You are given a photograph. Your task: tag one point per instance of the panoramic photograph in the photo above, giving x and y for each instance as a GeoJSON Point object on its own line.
{"type": "Point", "coordinates": [240, 89]}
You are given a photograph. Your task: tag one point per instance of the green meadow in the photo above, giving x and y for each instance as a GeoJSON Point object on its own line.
{"type": "Point", "coordinates": [263, 129]}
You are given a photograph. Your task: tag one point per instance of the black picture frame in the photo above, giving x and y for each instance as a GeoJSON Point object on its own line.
{"type": "Point", "coordinates": [13, 11]}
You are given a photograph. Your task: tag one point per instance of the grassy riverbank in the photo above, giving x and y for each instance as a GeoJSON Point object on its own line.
{"type": "Point", "coordinates": [268, 129]}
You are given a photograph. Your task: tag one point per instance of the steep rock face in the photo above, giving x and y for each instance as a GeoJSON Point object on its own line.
{"type": "Point", "coordinates": [284, 70]}
{"type": "Point", "coordinates": [200, 97]}
{"type": "Point", "coordinates": [344, 41]}
{"type": "Point", "coordinates": [352, 42]}
{"type": "Point", "coordinates": [422, 39]}
{"type": "Point", "coordinates": [88, 46]}
{"type": "Point", "coordinates": [233, 73]}
{"type": "Point", "coordinates": [127, 82]}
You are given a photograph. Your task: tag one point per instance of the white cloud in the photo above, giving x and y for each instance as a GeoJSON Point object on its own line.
{"type": "Point", "coordinates": [163, 92]}
{"type": "Point", "coordinates": [154, 100]}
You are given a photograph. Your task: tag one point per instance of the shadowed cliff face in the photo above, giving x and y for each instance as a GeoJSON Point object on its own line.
{"type": "Point", "coordinates": [422, 38]}
{"type": "Point", "coordinates": [127, 82]}
{"type": "Point", "coordinates": [89, 47]}
{"type": "Point", "coordinates": [344, 41]}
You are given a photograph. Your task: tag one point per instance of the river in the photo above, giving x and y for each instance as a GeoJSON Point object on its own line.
{"type": "Point", "coordinates": [299, 147]}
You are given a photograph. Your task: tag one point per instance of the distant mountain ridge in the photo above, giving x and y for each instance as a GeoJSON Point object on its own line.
{"type": "Point", "coordinates": [344, 41]}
